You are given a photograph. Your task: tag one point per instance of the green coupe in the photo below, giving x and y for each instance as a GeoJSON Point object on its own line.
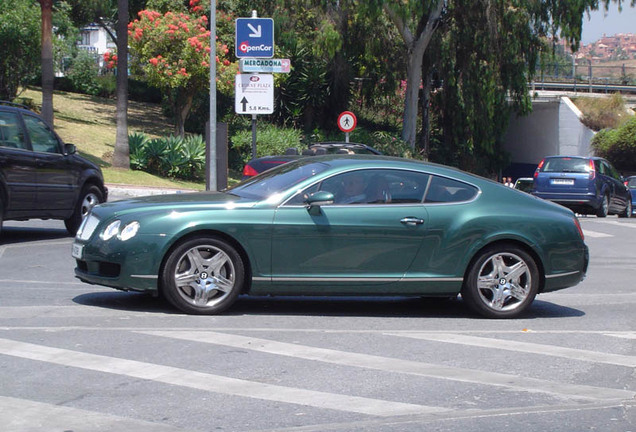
{"type": "Point", "coordinates": [338, 225]}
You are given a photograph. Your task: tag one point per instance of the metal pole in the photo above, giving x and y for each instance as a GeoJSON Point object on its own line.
{"type": "Point", "coordinates": [212, 183]}
{"type": "Point", "coordinates": [253, 136]}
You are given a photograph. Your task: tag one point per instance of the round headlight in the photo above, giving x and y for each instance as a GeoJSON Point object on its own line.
{"type": "Point", "coordinates": [129, 231]}
{"type": "Point", "coordinates": [111, 230]}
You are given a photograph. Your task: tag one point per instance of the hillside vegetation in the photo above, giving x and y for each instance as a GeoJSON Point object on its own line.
{"type": "Point", "coordinates": [89, 122]}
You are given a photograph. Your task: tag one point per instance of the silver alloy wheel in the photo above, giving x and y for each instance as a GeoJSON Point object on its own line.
{"type": "Point", "coordinates": [204, 276]}
{"type": "Point", "coordinates": [90, 200]}
{"type": "Point", "coordinates": [504, 281]}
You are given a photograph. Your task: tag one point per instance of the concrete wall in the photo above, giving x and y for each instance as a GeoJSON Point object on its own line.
{"type": "Point", "coordinates": [554, 127]}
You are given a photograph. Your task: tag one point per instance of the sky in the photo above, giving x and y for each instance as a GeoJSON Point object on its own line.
{"type": "Point", "coordinates": [610, 22]}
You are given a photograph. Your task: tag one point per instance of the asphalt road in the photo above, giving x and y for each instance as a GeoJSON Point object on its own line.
{"type": "Point", "coordinates": [76, 357]}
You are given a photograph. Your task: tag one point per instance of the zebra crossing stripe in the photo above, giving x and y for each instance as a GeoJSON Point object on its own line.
{"type": "Point", "coordinates": [211, 383]}
{"type": "Point", "coordinates": [526, 347]}
{"type": "Point", "coordinates": [395, 365]}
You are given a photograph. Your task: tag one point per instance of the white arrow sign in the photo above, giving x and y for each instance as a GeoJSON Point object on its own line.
{"type": "Point", "coordinates": [256, 32]}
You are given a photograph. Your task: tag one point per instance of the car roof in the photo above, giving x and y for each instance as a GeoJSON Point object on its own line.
{"type": "Point", "coordinates": [368, 161]}
{"type": "Point", "coordinates": [575, 157]}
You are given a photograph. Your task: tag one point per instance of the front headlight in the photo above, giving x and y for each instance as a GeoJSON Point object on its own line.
{"type": "Point", "coordinates": [129, 231]}
{"type": "Point", "coordinates": [111, 230]}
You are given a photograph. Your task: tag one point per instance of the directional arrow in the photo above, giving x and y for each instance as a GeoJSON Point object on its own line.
{"type": "Point", "coordinates": [256, 32]}
{"type": "Point", "coordinates": [244, 103]}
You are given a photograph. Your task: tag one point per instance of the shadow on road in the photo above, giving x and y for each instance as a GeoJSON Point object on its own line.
{"type": "Point", "coordinates": [396, 307]}
{"type": "Point", "coordinates": [13, 234]}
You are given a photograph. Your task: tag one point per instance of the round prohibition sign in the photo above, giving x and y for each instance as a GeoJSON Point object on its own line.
{"type": "Point", "coordinates": [347, 121]}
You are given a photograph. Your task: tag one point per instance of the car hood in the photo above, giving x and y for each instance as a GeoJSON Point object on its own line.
{"type": "Point", "coordinates": [171, 202]}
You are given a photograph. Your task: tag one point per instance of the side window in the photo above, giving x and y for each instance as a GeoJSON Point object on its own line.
{"type": "Point", "coordinates": [42, 138]}
{"type": "Point", "coordinates": [445, 190]}
{"type": "Point", "coordinates": [611, 171]}
{"type": "Point", "coordinates": [375, 186]}
{"type": "Point", "coordinates": [11, 133]}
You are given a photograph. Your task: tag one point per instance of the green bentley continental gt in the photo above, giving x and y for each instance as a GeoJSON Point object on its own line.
{"type": "Point", "coordinates": [338, 225]}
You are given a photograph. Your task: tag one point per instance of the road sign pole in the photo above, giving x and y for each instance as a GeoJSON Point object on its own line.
{"type": "Point", "coordinates": [346, 137]}
{"type": "Point", "coordinates": [212, 182]}
{"type": "Point", "coordinates": [253, 136]}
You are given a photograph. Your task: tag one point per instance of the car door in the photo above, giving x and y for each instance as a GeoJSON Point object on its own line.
{"type": "Point", "coordinates": [619, 192]}
{"type": "Point", "coordinates": [17, 166]}
{"type": "Point", "coordinates": [351, 248]}
{"type": "Point", "coordinates": [57, 179]}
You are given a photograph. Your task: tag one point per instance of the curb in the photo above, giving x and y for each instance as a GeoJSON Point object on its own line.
{"type": "Point", "coordinates": [129, 191]}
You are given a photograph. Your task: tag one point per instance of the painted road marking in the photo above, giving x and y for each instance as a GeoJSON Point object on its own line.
{"type": "Point", "coordinates": [525, 347]}
{"type": "Point", "coordinates": [211, 383]}
{"type": "Point", "coordinates": [396, 365]}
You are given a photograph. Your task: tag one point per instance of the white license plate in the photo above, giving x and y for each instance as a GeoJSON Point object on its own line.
{"type": "Point", "coordinates": [567, 182]}
{"type": "Point", "coordinates": [77, 251]}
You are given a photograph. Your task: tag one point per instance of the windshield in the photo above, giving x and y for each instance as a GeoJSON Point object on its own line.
{"type": "Point", "coordinates": [277, 180]}
{"type": "Point", "coordinates": [566, 164]}
{"type": "Point", "coordinates": [632, 183]}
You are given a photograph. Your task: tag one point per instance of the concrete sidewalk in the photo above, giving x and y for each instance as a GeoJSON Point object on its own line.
{"type": "Point", "coordinates": [122, 191]}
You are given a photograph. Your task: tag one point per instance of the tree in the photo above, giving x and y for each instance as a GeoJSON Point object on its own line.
{"type": "Point", "coordinates": [172, 51]}
{"type": "Point", "coordinates": [48, 76]}
{"type": "Point", "coordinates": [20, 40]}
{"type": "Point", "coordinates": [121, 153]}
{"type": "Point", "coordinates": [108, 14]}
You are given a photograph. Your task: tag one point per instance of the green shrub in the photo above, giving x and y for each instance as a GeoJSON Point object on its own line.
{"type": "Point", "coordinates": [270, 140]}
{"type": "Point", "coordinates": [106, 85]}
{"type": "Point", "coordinates": [618, 145]}
{"type": "Point", "coordinates": [193, 148]}
{"type": "Point", "coordinates": [173, 156]}
{"type": "Point", "coordinates": [137, 147]}
{"type": "Point", "coordinates": [83, 73]}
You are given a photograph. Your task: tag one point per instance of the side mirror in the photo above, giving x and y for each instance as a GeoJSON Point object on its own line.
{"type": "Point", "coordinates": [320, 198]}
{"type": "Point", "coordinates": [70, 149]}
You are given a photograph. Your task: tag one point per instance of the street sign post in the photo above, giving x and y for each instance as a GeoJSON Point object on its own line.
{"type": "Point", "coordinates": [254, 94]}
{"type": "Point", "coordinates": [254, 37]}
{"type": "Point", "coordinates": [262, 65]}
{"type": "Point", "coordinates": [347, 122]}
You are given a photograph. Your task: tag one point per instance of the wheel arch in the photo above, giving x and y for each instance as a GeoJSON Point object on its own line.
{"type": "Point", "coordinates": [212, 233]}
{"type": "Point", "coordinates": [515, 242]}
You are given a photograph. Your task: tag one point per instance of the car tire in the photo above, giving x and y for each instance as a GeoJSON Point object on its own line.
{"type": "Point", "coordinates": [628, 210]}
{"type": "Point", "coordinates": [603, 209]}
{"type": "Point", "coordinates": [203, 276]}
{"type": "Point", "coordinates": [91, 196]}
{"type": "Point", "coordinates": [502, 281]}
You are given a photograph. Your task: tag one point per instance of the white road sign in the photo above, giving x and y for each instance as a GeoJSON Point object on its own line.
{"type": "Point", "coordinates": [254, 94]}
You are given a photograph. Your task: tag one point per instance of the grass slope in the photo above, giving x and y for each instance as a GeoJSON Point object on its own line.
{"type": "Point", "coordinates": [89, 122]}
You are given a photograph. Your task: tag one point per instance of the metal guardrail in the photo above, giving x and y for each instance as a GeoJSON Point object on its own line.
{"type": "Point", "coordinates": [584, 87]}
{"type": "Point", "coordinates": [586, 77]}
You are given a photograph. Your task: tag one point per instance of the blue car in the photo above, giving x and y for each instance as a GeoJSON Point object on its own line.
{"type": "Point", "coordinates": [585, 185]}
{"type": "Point", "coordinates": [630, 182]}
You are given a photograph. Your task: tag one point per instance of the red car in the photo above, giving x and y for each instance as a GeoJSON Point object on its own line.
{"type": "Point", "coordinates": [258, 165]}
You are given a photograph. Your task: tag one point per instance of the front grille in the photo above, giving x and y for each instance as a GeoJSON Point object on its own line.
{"type": "Point", "coordinates": [87, 228]}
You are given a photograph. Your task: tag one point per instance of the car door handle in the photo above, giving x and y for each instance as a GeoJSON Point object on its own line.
{"type": "Point", "coordinates": [412, 221]}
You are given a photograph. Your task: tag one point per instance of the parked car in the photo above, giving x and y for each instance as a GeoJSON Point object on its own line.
{"type": "Point", "coordinates": [40, 176]}
{"type": "Point", "coordinates": [630, 182]}
{"type": "Point", "coordinates": [586, 185]}
{"type": "Point", "coordinates": [258, 165]}
{"type": "Point", "coordinates": [332, 225]}
{"type": "Point", "coordinates": [524, 184]}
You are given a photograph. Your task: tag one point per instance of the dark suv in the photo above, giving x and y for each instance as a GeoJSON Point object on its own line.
{"type": "Point", "coordinates": [586, 185]}
{"type": "Point", "coordinates": [40, 176]}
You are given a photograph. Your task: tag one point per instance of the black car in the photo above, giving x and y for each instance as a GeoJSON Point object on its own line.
{"type": "Point", "coordinates": [258, 165]}
{"type": "Point", "coordinates": [41, 177]}
{"type": "Point", "coordinates": [586, 185]}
